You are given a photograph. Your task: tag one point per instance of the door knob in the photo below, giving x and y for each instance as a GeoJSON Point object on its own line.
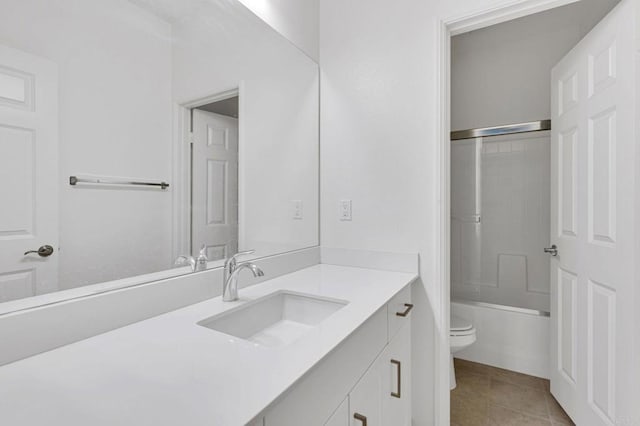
{"type": "Point", "coordinates": [553, 250]}
{"type": "Point", "coordinates": [44, 251]}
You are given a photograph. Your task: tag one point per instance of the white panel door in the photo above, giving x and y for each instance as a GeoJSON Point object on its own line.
{"type": "Point", "coordinates": [592, 223]}
{"type": "Point", "coordinates": [214, 217]}
{"type": "Point", "coordinates": [28, 174]}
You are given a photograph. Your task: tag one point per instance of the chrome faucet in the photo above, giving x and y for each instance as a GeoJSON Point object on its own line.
{"type": "Point", "coordinates": [197, 264]}
{"type": "Point", "coordinates": [231, 271]}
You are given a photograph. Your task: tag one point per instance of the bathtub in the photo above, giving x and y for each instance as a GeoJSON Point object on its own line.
{"type": "Point", "coordinates": [512, 338]}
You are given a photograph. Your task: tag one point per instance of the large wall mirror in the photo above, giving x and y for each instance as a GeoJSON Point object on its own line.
{"type": "Point", "coordinates": [134, 132]}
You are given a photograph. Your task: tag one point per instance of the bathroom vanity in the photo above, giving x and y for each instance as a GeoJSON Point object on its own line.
{"type": "Point", "coordinates": [324, 345]}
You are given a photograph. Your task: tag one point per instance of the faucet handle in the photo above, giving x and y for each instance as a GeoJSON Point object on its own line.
{"type": "Point", "coordinates": [230, 263]}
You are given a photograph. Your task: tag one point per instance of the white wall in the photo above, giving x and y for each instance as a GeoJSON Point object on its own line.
{"type": "Point", "coordinates": [278, 118]}
{"type": "Point", "coordinates": [636, 373]}
{"type": "Point", "coordinates": [502, 74]}
{"type": "Point", "coordinates": [379, 147]}
{"type": "Point", "coordinates": [297, 20]}
{"type": "Point", "coordinates": [115, 119]}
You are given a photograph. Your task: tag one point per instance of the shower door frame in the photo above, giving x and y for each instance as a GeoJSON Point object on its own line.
{"type": "Point", "coordinates": [449, 27]}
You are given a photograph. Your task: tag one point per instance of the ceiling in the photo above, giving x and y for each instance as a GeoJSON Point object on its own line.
{"type": "Point", "coordinates": [172, 10]}
{"type": "Point", "coordinates": [228, 107]}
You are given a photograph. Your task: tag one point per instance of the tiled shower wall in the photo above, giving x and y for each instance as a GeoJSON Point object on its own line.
{"type": "Point", "coordinates": [500, 220]}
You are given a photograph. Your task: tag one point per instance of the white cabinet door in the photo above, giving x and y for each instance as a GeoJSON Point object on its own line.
{"type": "Point", "coordinates": [594, 222]}
{"type": "Point", "coordinates": [396, 366]}
{"type": "Point", "coordinates": [315, 397]}
{"type": "Point", "coordinates": [366, 398]}
{"type": "Point", "coordinates": [341, 416]}
{"type": "Point", "coordinates": [383, 395]}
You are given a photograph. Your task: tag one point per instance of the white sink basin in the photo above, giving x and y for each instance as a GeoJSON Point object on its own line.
{"type": "Point", "coordinates": [275, 320]}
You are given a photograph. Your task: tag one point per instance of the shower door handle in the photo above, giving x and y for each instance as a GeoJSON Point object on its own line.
{"type": "Point", "coordinates": [553, 250]}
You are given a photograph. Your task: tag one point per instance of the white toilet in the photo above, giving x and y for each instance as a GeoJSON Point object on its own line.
{"type": "Point", "coordinates": [462, 334]}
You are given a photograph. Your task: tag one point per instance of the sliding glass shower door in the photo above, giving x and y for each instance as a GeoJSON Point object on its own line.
{"type": "Point", "coordinates": [500, 220]}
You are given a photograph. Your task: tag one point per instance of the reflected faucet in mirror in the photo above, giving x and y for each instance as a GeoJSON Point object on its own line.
{"type": "Point", "coordinates": [231, 271]}
{"type": "Point", "coordinates": [183, 260]}
{"type": "Point", "coordinates": [199, 264]}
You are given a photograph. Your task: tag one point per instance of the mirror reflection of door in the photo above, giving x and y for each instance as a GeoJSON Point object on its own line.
{"type": "Point", "coordinates": [214, 212]}
{"type": "Point", "coordinates": [28, 174]}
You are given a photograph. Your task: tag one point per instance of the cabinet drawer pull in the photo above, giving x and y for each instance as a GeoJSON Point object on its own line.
{"type": "Point", "coordinates": [360, 417]}
{"type": "Point", "coordinates": [399, 380]}
{"type": "Point", "coordinates": [409, 307]}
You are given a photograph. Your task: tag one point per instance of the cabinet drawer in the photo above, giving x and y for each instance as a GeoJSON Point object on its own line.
{"type": "Point", "coordinates": [399, 311]}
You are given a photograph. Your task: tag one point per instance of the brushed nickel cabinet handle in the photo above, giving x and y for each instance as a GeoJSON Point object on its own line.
{"type": "Point", "coordinates": [408, 309]}
{"type": "Point", "coordinates": [399, 380]}
{"type": "Point", "coordinates": [360, 417]}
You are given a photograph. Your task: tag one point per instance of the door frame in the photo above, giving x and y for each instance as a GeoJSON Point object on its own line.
{"type": "Point", "coordinates": [181, 166]}
{"type": "Point", "coordinates": [447, 28]}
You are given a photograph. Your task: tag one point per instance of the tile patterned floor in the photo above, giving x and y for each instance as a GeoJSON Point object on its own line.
{"type": "Point", "coordinates": [489, 396]}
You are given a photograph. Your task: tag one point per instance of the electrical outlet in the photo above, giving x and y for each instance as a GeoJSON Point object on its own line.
{"type": "Point", "coordinates": [345, 209]}
{"type": "Point", "coordinates": [297, 209]}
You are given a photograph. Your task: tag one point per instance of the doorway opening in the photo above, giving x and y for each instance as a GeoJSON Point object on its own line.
{"type": "Point", "coordinates": [214, 178]}
{"type": "Point", "coordinates": [499, 211]}
{"type": "Point", "coordinates": [207, 175]}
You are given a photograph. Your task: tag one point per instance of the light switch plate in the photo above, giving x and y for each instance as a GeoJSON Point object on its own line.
{"type": "Point", "coordinates": [297, 209]}
{"type": "Point", "coordinates": [345, 209]}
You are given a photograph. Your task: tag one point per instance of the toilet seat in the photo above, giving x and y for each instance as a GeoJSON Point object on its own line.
{"type": "Point", "coordinates": [460, 327]}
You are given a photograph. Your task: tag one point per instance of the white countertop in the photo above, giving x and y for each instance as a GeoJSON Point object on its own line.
{"type": "Point", "coordinates": [168, 370]}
